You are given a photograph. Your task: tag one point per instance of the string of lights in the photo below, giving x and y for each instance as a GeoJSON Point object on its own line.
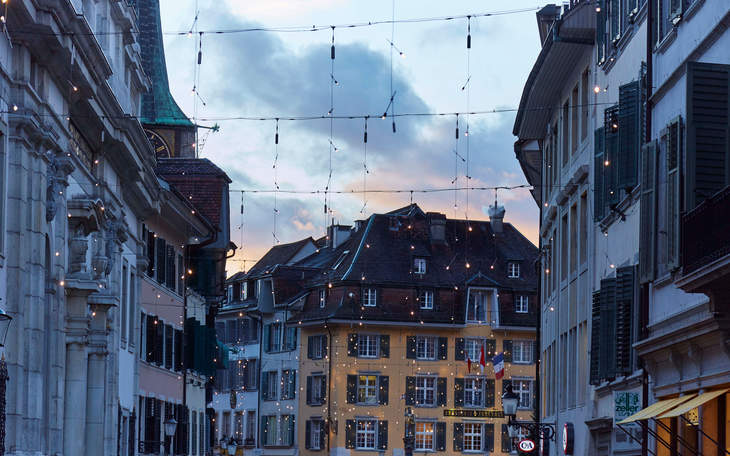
{"type": "Point", "coordinates": [366, 191]}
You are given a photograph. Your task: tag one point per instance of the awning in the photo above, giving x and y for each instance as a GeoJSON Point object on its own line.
{"type": "Point", "coordinates": [696, 402]}
{"type": "Point", "coordinates": [656, 409]}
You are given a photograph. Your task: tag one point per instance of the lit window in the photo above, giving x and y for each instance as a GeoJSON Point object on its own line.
{"type": "Point", "coordinates": [322, 298]}
{"type": "Point", "coordinates": [477, 309]}
{"type": "Point", "coordinates": [473, 437]}
{"type": "Point", "coordinates": [473, 348]}
{"type": "Point", "coordinates": [424, 436]}
{"type": "Point", "coordinates": [365, 434]}
{"type": "Point", "coordinates": [473, 392]}
{"type": "Point", "coordinates": [426, 347]}
{"type": "Point", "coordinates": [513, 270]}
{"type": "Point", "coordinates": [522, 351]}
{"type": "Point", "coordinates": [522, 304]}
{"type": "Point", "coordinates": [369, 297]}
{"type": "Point", "coordinates": [425, 391]}
{"type": "Point", "coordinates": [367, 346]}
{"type": "Point", "coordinates": [367, 389]}
{"type": "Point", "coordinates": [419, 265]}
{"type": "Point", "coordinates": [426, 300]}
{"type": "Point", "coordinates": [523, 388]}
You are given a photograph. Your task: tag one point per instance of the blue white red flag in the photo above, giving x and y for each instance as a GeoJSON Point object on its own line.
{"type": "Point", "coordinates": [498, 363]}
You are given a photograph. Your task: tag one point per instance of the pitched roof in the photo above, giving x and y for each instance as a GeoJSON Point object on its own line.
{"type": "Point", "coordinates": [278, 255]}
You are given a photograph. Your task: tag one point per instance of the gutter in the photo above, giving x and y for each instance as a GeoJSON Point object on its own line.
{"type": "Point", "coordinates": [359, 248]}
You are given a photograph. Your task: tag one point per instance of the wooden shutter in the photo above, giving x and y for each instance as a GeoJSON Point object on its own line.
{"type": "Point", "coordinates": [489, 392]}
{"type": "Point", "coordinates": [607, 348]}
{"type": "Point", "coordinates": [291, 338]}
{"type": "Point", "coordinates": [615, 13]}
{"type": "Point", "coordinates": [132, 434]}
{"type": "Point", "coordinates": [410, 390]}
{"type": "Point", "coordinates": [601, 32]}
{"type": "Point", "coordinates": [383, 381]}
{"type": "Point", "coordinates": [267, 338]}
{"type": "Point", "coordinates": [505, 384]}
{"type": "Point", "coordinates": [458, 392]}
{"type": "Point", "coordinates": [159, 342]}
{"type": "Point", "coordinates": [150, 254]}
{"type": "Point", "coordinates": [160, 262]}
{"type": "Point", "coordinates": [411, 347]}
{"type": "Point", "coordinates": [707, 131]}
{"type": "Point", "coordinates": [611, 193]}
{"type": "Point", "coordinates": [441, 391]}
{"type": "Point", "coordinates": [265, 386]}
{"type": "Point", "coordinates": [674, 158]}
{"type": "Point", "coordinates": [323, 390]}
{"type": "Point", "coordinates": [308, 431]}
{"type": "Point", "coordinates": [350, 433]}
{"type": "Point", "coordinates": [384, 346]}
{"type": "Point", "coordinates": [488, 437]}
{"type": "Point", "coordinates": [625, 298]}
{"type": "Point", "coordinates": [598, 165]}
{"type": "Point", "coordinates": [647, 222]}
{"type": "Point", "coordinates": [383, 435]}
{"type": "Point", "coordinates": [309, 390]}
{"type": "Point", "coordinates": [352, 389]}
{"type": "Point", "coordinates": [458, 436]}
{"type": "Point", "coordinates": [595, 374]}
{"type": "Point", "coordinates": [322, 434]}
{"type": "Point", "coordinates": [629, 133]}
{"type": "Point", "coordinates": [440, 436]}
{"type": "Point", "coordinates": [292, 384]}
{"type": "Point", "coordinates": [170, 267]}
{"type": "Point", "coordinates": [323, 341]}
{"type": "Point", "coordinates": [506, 440]}
{"type": "Point", "coordinates": [292, 436]}
{"type": "Point", "coordinates": [309, 347]}
{"type": "Point", "coordinates": [507, 349]}
{"type": "Point", "coordinates": [443, 348]}
{"type": "Point", "coordinates": [459, 349]}
{"type": "Point", "coordinates": [352, 345]}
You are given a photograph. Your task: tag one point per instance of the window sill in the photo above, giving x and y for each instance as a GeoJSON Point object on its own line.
{"type": "Point", "coordinates": [662, 46]}
{"type": "Point", "coordinates": [315, 404]}
{"type": "Point", "coordinates": [366, 404]}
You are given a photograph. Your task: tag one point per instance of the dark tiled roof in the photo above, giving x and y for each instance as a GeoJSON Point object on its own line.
{"type": "Point", "coordinates": [189, 167]}
{"type": "Point", "coordinates": [278, 255]}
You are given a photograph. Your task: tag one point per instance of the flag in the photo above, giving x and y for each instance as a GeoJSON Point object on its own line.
{"type": "Point", "coordinates": [482, 360]}
{"type": "Point", "coordinates": [468, 364]}
{"type": "Point", "coordinates": [498, 363]}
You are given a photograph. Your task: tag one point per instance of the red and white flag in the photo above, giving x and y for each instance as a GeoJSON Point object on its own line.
{"type": "Point", "coordinates": [482, 360]}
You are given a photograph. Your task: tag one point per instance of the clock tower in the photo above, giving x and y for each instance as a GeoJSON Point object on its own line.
{"type": "Point", "coordinates": [169, 130]}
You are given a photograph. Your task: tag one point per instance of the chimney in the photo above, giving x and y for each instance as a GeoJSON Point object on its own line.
{"type": "Point", "coordinates": [436, 226]}
{"type": "Point", "coordinates": [337, 234]}
{"type": "Point", "coordinates": [496, 216]}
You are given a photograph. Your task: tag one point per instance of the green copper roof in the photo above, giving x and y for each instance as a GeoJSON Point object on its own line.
{"type": "Point", "coordinates": [158, 105]}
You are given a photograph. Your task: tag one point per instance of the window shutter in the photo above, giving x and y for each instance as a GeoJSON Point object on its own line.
{"type": "Point", "coordinates": [350, 434]}
{"type": "Point", "coordinates": [267, 338]}
{"type": "Point", "coordinates": [310, 341]}
{"type": "Point", "coordinates": [291, 430]}
{"type": "Point", "coordinates": [489, 392]}
{"type": "Point", "coordinates": [610, 172]}
{"type": "Point", "coordinates": [595, 375]}
{"type": "Point", "coordinates": [264, 430]}
{"type": "Point", "coordinates": [615, 16]}
{"type": "Point", "coordinates": [507, 349]}
{"type": "Point", "coordinates": [384, 346]}
{"type": "Point", "coordinates": [352, 345]}
{"type": "Point", "coordinates": [458, 392]}
{"type": "Point", "coordinates": [159, 342]}
{"type": "Point", "coordinates": [352, 389]}
{"type": "Point", "coordinates": [411, 347]}
{"type": "Point", "coordinates": [601, 32]}
{"type": "Point", "coordinates": [169, 337]}
{"type": "Point", "coordinates": [674, 158]}
{"type": "Point", "coordinates": [383, 435]}
{"type": "Point", "coordinates": [647, 244]}
{"type": "Point", "coordinates": [265, 386]}
{"type": "Point", "coordinates": [629, 132]}
{"type": "Point", "coordinates": [598, 165]}
{"type": "Point", "coordinates": [160, 263]}
{"type": "Point", "coordinates": [410, 390]}
{"type": "Point", "coordinates": [384, 381]}
{"type": "Point", "coordinates": [488, 437]}
{"type": "Point", "coordinates": [490, 350]}
{"type": "Point", "coordinates": [170, 267]}
{"type": "Point", "coordinates": [458, 436]}
{"type": "Point", "coordinates": [443, 348]}
{"type": "Point", "coordinates": [308, 433]}
{"type": "Point", "coordinates": [607, 349]}
{"type": "Point", "coordinates": [322, 433]}
{"type": "Point", "coordinates": [440, 436]}
{"type": "Point", "coordinates": [506, 440]}
{"type": "Point", "coordinates": [132, 434]}
{"type": "Point", "coordinates": [441, 391]}
{"type": "Point", "coordinates": [505, 384]}
{"type": "Point", "coordinates": [309, 390]}
{"type": "Point", "coordinates": [323, 341]}
{"type": "Point", "coordinates": [625, 293]}
{"type": "Point", "coordinates": [707, 131]}
{"type": "Point", "coordinates": [150, 253]}
{"type": "Point", "coordinates": [292, 384]}
{"type": "Point", "coordinates": [323, 390]}
{"type": "Point", "coordinates": [459, 349]}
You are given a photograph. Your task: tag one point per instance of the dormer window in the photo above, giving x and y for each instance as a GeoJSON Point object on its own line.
{"type": "Point", "coordinates": [419, 266]}
{"type": "Point", "coordinates": [425, 299]}
{"type": "Point", "coordinates": [522, 304]}
{"type": "Point", "coordinates": [369, 297]}
{"type": "Point", "coordinates": [229, 295]}
{"type": "Point", "coordinates": [322, 298]}
{"type": "Point", "coordinates": [244, 287]}
{"type": "Point", "coordinates": [513, 270]}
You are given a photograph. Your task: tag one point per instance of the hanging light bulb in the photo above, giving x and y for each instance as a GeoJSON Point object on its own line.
{"type": "Point", "coordinates": [597, 89]}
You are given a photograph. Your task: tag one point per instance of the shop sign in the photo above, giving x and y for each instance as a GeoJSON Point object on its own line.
{"type": "Point", "coordinates": [626, 403]}
{"type": "Point", "coordinates": [526, 445]}
{"type": "Point", "coordinates": [468, 413]}
{"type": "Point", "coordinates": [568, 438]}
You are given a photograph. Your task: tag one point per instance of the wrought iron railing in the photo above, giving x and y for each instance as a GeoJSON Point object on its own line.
{"type": "Point", "coordinates": [705, 233]}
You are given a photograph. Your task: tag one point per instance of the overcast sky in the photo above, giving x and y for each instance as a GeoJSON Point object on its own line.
{"type": "Point", "coordinates": [288, 74]}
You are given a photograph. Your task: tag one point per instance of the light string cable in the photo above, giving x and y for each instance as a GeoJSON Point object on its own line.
{"type": "Point", "coordinates": [392, 46]}
{"type": "Point", "coordinates": [457, 157]}
{"type": "Point", "coordinates": [467, 86]}
{"type": "Point", "coordinates": [276, 182]}
{"type": "Point", "coordinates": [196, 72]}
{"type": "Point", "coordinates": [365, 170]}
{"type": "Point", "coordinates": [240, 228]}
{"type": "Point", "coordinates": [331, 114]}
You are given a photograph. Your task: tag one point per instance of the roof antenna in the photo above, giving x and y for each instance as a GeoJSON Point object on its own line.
{"type": "Point", "coordinates": [496, 215]}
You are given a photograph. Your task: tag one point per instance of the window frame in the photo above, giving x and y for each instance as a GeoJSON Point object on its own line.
{"type": "Point", "coordinates": [426, 341]}
{"type": "Point", "coordinates": [425, 433]}
{"type": "Point", "coordinates": [370, 297]}
{"type": "Point", "coordinates": [522, 304]}
{"type": "Point", "coordinates": [367, 388]}
{"type": "Point", "coordinates": [471, 436]}
{"type": "Point", "coordinates": [480, 342]}
{"type": "Point", "coordinates": [425, 389]}
{"type": "Point", "coordinates": [322, 298]}
{"type": "Point", "coordinates": [526, 348]}
{"type": "Point", "coordinates": [513, 270]}
{"type": "Point", "coordinates": [360, 345]}
{"type": "Point", "coordinates": [471, 301]}
{"type": "Point", "coordinates": [366, 432]}
{"type": "Point", "coordinates": [517, 388]}
{"type": "Point", "coordinates": [318, 381]}
{"type": "Point", "coordinates": [315, 428]}
{"type": "Point", "coordinates": [272, 386]}
{"type": "Point", "coordinates": [425, 299]}
{"type": "Point", "coordinates": [419, 265]}
{"type": "Point", "coordinates": [470, 391]}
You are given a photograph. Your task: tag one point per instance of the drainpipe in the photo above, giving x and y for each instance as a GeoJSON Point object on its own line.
{"type": "Point", "coordinates": [329, 383]}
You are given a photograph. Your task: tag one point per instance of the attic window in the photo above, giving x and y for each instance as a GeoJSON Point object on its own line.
{"type": "Point", "coordinates": [369, 297]}
{"type": "Point", "coordinates": [340, 259]}
{"type": "Point", "coordinates": [394, 224]}
{"type": "Point", "coordinates": [419, 266]}
{"type": "Point", "coordinates": [513, 270]}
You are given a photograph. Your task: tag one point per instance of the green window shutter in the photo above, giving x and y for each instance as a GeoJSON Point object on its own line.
{"type": "Point", "coordinates": [410, 390]}
{"type": "Point", "coordinates": [647, 216]}
{"type": "Point", "coordinates": [308, 434]}
{"type": "Point", "coordinates": [411, 347]}
{"type": "Point", "coordinates": [385, 346]}
{"type": "Point", "coordinates": [161, 263]}
{"type": "Point", "coordinates": [595, 374]}
{"type": "Point", "coordinates": [459, 392]}
{"type": "Point", "coordinates": [352, 389]}
{"type": "Point", "coordinates": [625, 297]}
{"type": "Point", "coordinates": [611, 193]}
{"type": "Point", "coordinates": [310, 341]}
{"type": "Point", "coordinates": [598, 168]}
{"type": "Point", "coordinates": [507, 350]}
{"type": "Point", "coordinates": [291, 338]}
{"type": "Point", "coordinates": [384, 382]}
{"type": "Point", "coordinates": [267, 338]}
{"type": "Point", "coordinates": [707, 131]}
{"type": "Point", "coordinates": [440, 436]}
{"type": "Point", "coordinates": [607, 347]}
{"type": "Point", "coordinates": [506, 440]}
{"type": "Point", "coordinates": [601, 32]}
{"type": "Point", "coordinates": [352, 345]}
{"type": "Point", "coordinates": [383, 435]}
{"type": "Point", "coordinates": [292, 384]}
{"type": "Point", "coordinates": [322, 434]}
{"type": "Point", "coordinates": [458, 436]}
{"type": "Point", "coordinates": [674, 158]}
{"type": "Point", "coordinates": [489, 392]}
{"type": "Point", "coordinates": [323, 394]}
{"type": "Point", "coordinates": [459, 349]}
{"type": "Point", "coordinates": [488, 437]}
{"type": "Point", "coordinates": [441, 391]}
{"type": "Point", "coordinates": [615, 17]}
{"type": "Point", "coordinates": [629, 133]}
{"type": "Point", "coordinates": [292, 436]}
{"type": "Point", "coordinates": [350, 434]}
{"type": "Point", "coordinates": [443, 348]}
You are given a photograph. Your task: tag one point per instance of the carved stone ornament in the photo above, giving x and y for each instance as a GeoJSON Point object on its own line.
{"type": "Point", "coordinates": [84, 217]}
{"type": "Point", "coordinates": [59, 168]}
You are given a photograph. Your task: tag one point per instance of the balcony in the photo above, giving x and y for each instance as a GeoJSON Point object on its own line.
{"type": "Point", "coordinates": [706, 246]}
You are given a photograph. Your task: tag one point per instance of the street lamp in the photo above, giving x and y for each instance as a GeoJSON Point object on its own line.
{"type": "Point", "coordinates": [510, 401]}
{"type": "Point", "coordinates": [409, 439]}
{"type": "Point", "coordinates": [170, 427]}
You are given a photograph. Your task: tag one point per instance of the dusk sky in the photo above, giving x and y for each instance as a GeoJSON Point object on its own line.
{"type": "Point", "coordinates": [288, 74]}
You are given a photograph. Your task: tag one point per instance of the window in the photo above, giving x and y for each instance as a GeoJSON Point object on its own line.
{"type": "Point", "coordinates": [473, 392]}
{"type": "Point", "coordinates": [424, 436]}
{"type": "Point", "coordinates": [522, 304]}
{"type": "Point", "coordinates": [477, 309]}
{"type": "Point", "coordinates": [365, 434]}
{"type": "Point", "coordinates": [315, 429]}
{"type": "Point", "coordinates": [473, 437]}
{"type": "Point", "coordinates": [513, 270]}
{"type": "Point", "coordinates": [273, 342]}
{"type": "Point", "coordinates": [317, 346]}
{"type": "Point", "coordinates": [250, 427]}
{"type": "Point", "coordinates": [132, 305]}
{"type": "Point", "coordinates": [270, 436]}
{"type": "Point", "coordinates": [419, 265]}
{"type": "Point", "coordinates": [322, 298]}
{"type": "Point", "coordinates": [523, 388]}
{"type": "Point", "coordinates": [288, 384]}
{"type": "Point", "coordinates": [473, 348]}
{"type": "Point", "coordinates": [425, 299]}
{"type": "Point", "coordinates": [244, 286]}
{"type": "Point", "coordinates": [271, 384]}
{"type": "Point", "coordinates": [367, 389]}
{"type": "Point", "coordinates": [369, 297]}
{"type": "Point", "coordinates": [229, 293]}
{"type": "Point", "coordinates": [319, 385]}
{"type": "Point", "coordinates": [124, 303]}
{"type": "Point", "coordinates": [287, 430]}
{"type": "Point", "coordinates": [522, 351]}
{"type": "Point", "coordinates": [426, 347]}
{"type": "Point", "coordinates": [565, 124]}
{"type": "Point", "coordinates": [425, 391]}
{"type": "Point", "coordinates": [367, 346]}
